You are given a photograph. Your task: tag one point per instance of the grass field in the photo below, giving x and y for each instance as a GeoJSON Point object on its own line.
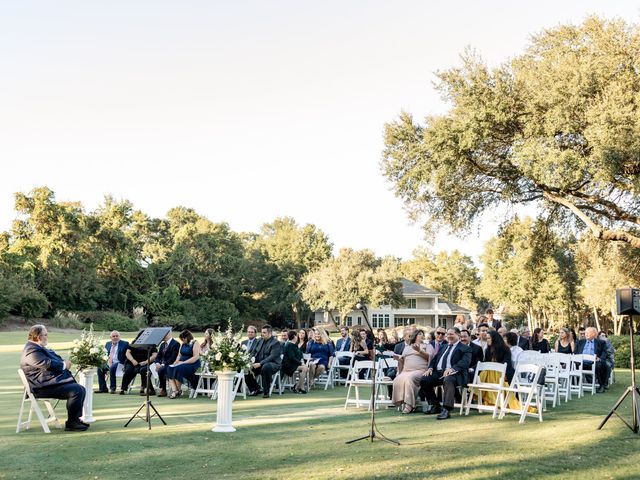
{"type": "Point", "coordinates": [296, 436]}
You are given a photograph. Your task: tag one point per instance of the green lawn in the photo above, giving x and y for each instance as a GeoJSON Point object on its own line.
{"type": "Point", "coordinates": [303, 437]}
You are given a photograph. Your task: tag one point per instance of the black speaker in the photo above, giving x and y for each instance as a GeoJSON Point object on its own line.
{"type": "Point", "coordinates": [628, 301]}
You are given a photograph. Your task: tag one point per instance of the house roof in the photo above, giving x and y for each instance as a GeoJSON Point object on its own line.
{"type": "Point", "coordinates": [453, 308]}
{"type": "Point", "coordinates": [413, 289]}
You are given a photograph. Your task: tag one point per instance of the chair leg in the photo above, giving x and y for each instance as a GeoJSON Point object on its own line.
{"type": "Point", "coordinates": [52, 414]}
{"type": "Point", "coordinates": [20, 414]}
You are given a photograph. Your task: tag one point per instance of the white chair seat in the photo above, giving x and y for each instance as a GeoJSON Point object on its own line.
{"type": "Point", "coordinates": [28, 396]}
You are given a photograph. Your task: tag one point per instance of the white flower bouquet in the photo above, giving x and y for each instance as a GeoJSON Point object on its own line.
{"type": "Point", "coordinates": [88, 351]}
{"type": "Point", "coordinates": [226, 352]}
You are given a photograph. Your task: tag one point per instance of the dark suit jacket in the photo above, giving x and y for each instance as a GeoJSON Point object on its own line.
{"type": "Point", "coordinates": [168, 353]}
{"type": "Point", "coordinates": [460, 361]}
{"type": "Point", "coordinates": [399, 348]}
{"type": "Point", "coordinates": [43, 368]}
{"type": "Point", "coordinates": [599, 348]}
{"type": "Point", "coordinates": [524, 343]}
{"type": "Point", "coordinates": [477, 355]}
{"type": "Point", "coordinates": [292, 358]}
{"type": "Point", "coordinates": [496, 324]}
{"type": "Point", "coordinates": [122, 348]}
{"type": "Point", "coordinates": [268, 351]}
{"type": "Point", "coordinates": [253, 346]}
{"type": "Point", "coordinates": [340, 341]}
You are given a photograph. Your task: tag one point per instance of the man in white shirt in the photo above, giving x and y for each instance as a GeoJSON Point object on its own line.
{"type": "Point", "coordinates": [482, 331]}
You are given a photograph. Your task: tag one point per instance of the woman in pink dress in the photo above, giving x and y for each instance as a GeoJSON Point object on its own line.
{"type": "Point", "coordinates": [413, 363]}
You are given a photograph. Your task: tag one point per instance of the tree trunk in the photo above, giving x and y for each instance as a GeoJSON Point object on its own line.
{"type": "Point", "coordinates": [596, 317]}
{"type": "Point", "coordinates": [297, 313]}
{"type": "Point", "coordinates": [530, 319]}
{"type": "Point", "coordinates": [617, 321]}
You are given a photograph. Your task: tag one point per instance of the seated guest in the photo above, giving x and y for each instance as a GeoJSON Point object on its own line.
{"type": "Point", "coordinates": [135, 363]}
{"type": "Point", "coordinates": [251, 340]}
{"type": "Point", "coordinates": [363, 347]}
{"type": "Point", "coordinates": [611, 354]}
{"type": "Point", "coordinates": [343, 345]}
{"type": "Point", "coordinates": [395, 339]}
{"type": "Point", "coordinates": [183, 370]}
{"type": "Point", "coordinates": [303, 340]}
{"type": "Point", "coordinates": [206, 345]}
{"type": "Point", "coordinates": [264, 362]}
{"type": "Point", "coordinates": [498, 352]}
{"type": "Point", "coordinates": [116, 349]}
{"type": "Point", "coordinates": [482, 334]}
{"type": "Point", "coordinates": [581, 334]}
{"type": "Point", "coordinates": [592, 345]}
{"type": "Point", "coordinates": [460, 322]}
{"type": "Point", "coordinates": [167, 355]}
{"type": "Point", "coordinates": [564, 344]}
{"type": "Point", "coordinates": [48, 376]}
{"type": "Point", "coordinates": [538, 342]}
{"type": "Point", "coordinates": [492, 322]}
{"type": "Point", "coordinates": [516, 351]}
{"type": "Point", "coordinates": [476, 352]}
{"type": "Point", "coordinates": [321, 353]}
{"type": "Point", "coordinates": [283, 337]}
{"type": "Point", "coordinates": [412, 365]}
{"type": "Point", "coordinates": [448, 368]}
{"type": "Point", "coordinates": [440, 340]}
{"type": "Point", "coordinates": [502, 331]}
{"type": "Point", "coordinates": [524, 340]}
{"type": "Point", "coordinates": [382, 343]}
{"type": "Point", "coordinates": [292, 361]}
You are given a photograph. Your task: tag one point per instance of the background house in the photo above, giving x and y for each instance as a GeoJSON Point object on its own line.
{"type": "Point", "coordinates": [423, 307]}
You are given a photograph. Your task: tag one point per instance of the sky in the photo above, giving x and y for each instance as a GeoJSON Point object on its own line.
{"type": "Point", "coordinates": [243, 110]}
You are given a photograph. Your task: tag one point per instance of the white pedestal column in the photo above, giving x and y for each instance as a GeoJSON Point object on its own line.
{"type": "Point", "coordinates": [86, 380]}
{"type": "Point", "coordinates": [225, 402]}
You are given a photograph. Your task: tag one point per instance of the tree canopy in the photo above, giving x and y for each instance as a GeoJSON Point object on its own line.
{"type": "Point", "coordinates": [558, 125]}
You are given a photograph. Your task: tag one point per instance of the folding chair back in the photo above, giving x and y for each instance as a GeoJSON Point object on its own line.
{"type": "Point", "coordinates": [575, 376]}
{"type": "Point", "coordinates": [531, 356]}
{"type": "Point", "coordinates": [494, 391]}
{"type": "Point", "coordinates": [525, 385]}
{"type": "Point", "coordinates": [589, 374]}
{"type": "Point", "coordinates": [28, 396]}
{"type": "Point", "coordinates": [564, 375]}
{"type": "Point", "coordinates": [354, 383]}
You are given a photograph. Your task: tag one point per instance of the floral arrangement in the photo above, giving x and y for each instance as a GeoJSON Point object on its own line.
{"type": "Point", "coordinates": [226, 351]}
{"type": "Point", "coordinates": [89, 350]}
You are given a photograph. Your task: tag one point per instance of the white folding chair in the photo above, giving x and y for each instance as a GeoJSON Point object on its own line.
{"type": "Point", "coordinates": [382, 382]}
{"type": "Point", "coordinates": [531, 356]}
{"type": "Point", "coordinates": [575, 376]}
{"type": "Point", "coordinates": [238, 386]}
{"type": "Point", "coordinates": [589, 376]}
{"type": "Point", "coordinates": [525, 385]}
{"type": "Point", "coordinates": [477, 387]}
{"type": "Point", "coordinates": [339, 368]}
{"type": "Point", "coordinates": [207, 383]}
{"type": "Point", "coordinates": [564, 375]}
{"type": "Point", "coordinates": [354, 383]}
{"type": "Point", "coordinates": [28, 396]}
{"type": "Point", "coordinates": [551, 379]}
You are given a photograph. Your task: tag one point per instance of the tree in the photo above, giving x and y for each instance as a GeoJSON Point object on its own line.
{"type": "Point", "coordinates": [527, 269]}
{"type": "Point", "coordinates": [294, 252]}
{"type": "Point", "coordinates": [353, 277]}
{"type": "Point", "coordinates": [603, 267]}
{"type": "Point", "coordinates": [557, 126]}
{"type": "Point", "coordinates": [452, 274]}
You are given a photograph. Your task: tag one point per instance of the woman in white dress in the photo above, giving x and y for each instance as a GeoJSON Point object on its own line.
{"type": "Point", "coordinates": [412, 365]}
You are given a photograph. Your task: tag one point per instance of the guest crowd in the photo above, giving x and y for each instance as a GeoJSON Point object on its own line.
{"type": "Point", "coordinates": [425, 360]}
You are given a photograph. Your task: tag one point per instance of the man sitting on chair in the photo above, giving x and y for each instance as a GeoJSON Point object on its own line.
{"type": "Point", "coordinates": [449, 369]}
{"type": "Point", "coordinates": [49, 377]}
{"type": "Point", "coordinates": [265, 362]}
{"type": "Point", "coordinates": [167, 354]}
{"type": "Point", "coordinates": [592, 345]}
{"type": "Point", "coordinates": [116, 349]}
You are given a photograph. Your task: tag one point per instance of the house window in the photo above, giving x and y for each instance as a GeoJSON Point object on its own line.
{"type": "Point", "coordinates": [405, 321]}
{"type": "Point", "coordinates": [380, 320]}
{"type": "Point", "coordinates": [337, 319]}
{"type": "Point", "coordinates": [349, 321]}
{"type": "Point", "coordinates": [412, 303]}
{"type": "Point", "coordinates": [359, 320]}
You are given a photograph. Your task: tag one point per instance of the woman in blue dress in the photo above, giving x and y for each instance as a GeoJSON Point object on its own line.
{"type": "Point", "coordinates": [184, 368]}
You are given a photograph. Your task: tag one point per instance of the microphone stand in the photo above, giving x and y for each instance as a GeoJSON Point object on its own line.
{"type": "Point", "coordinates": [374, 432]}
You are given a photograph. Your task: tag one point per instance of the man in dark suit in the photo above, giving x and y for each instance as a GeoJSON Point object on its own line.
{"type": "Point", "coordinates": [167, 354]}
{"type": "Point", "coordinates": [116, 349]}
{"type": "Point", "coordinates": [477, 354]}
{"type": "Point", "coordinates": [494, 323]}
{"type": "Point", "coordinates": [592, 345]}
{"type": "Point", "coordinates": [524, 340]}
{"type": "Point", "coordinates": [251, 340]}
{"type": "Point", "coordinates": [265, 362]}
{"type": "Point", "coordinates": [448, 368]}
{"type": "Point", "coordinates": [343, 345]}
{"type": "Point", "coordinates": [136, 363]}
{"type": "Point", "coordinates": [49, 377]}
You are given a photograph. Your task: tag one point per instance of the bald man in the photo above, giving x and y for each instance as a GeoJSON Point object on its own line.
{"type": "Point", "coordinates": [592, 345]}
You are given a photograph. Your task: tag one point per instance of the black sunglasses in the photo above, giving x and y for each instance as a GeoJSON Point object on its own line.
{"type": "Point", "coordinates": [440, 333]}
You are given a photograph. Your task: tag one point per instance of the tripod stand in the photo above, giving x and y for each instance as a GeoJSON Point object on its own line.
{"type": "Point", "coordinates": [147, 403]}
{"type": "Point", "coordinates": [374, 432]}
{"type": "Point", "coordinates": [632, 389]}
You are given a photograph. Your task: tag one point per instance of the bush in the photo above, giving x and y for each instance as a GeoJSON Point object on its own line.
{"type": "Point", "coordinates": [176, 322]}
{"type": "Point", "coordinates": [107, 321]}
{"type": "Point", "coordinates": [64, 319]}
{"type": "Point", "coordinates": [623, 350]}
{"type": "Point", "coordinates": [31, 303]}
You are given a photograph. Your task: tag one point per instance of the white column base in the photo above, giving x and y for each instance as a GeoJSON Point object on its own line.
{"type": "Point", "coordinates": [224, 421]}
{"type": "Point", "coordinates": [86, 380]}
